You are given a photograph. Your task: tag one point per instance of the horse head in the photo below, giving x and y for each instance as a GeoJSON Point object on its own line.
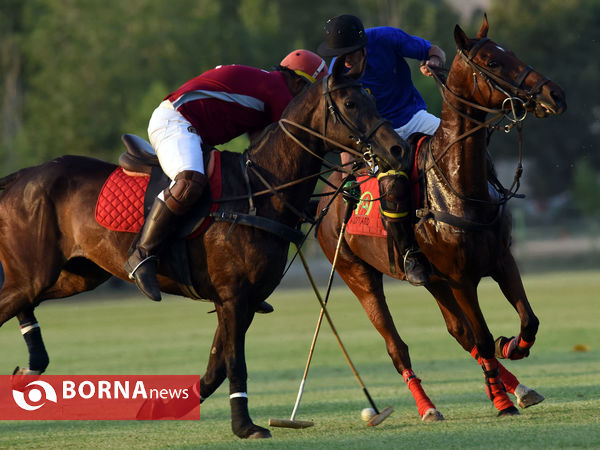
{"type": "Point", "coordinates": [494, 77]}
{"type": "Point", "coordinates": [339, 115]}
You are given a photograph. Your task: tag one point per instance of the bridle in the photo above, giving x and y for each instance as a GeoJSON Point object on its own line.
{"type": "Point", "coordinates": [513, 90]}
{"type": "Point", "coordinates": [361, 139]}
{"type": "Point", "coordinates": [513, 109]}
{"type": "Point", "coordinates": [330, 109]}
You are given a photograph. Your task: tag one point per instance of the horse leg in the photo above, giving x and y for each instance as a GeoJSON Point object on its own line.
{"type": "Point", "coordinates": [459, 328]}
{"type": "Point", "coordinates": [235, 317]}
{"type": "Point", "coordinates": [216, 373]}
{"type": "Point", "coordinates": [466, 297]}
{"type": "Point", "coordinates": [38, 356]}
{"type": "Point", "coordinates": [366, 283]}
{"type": "Point", "coordinates": [508, 278]}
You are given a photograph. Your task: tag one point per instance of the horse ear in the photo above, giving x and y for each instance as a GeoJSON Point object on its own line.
{"type": "Point", "coordinates": [483, 31]}
{"type": "Point", "coordinates": [462, 41]}
{"type": "Point", "coordinates": [338, 67]}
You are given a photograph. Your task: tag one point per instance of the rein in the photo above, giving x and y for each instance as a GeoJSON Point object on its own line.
{"type": "Point", "coordinates": [361, 139]}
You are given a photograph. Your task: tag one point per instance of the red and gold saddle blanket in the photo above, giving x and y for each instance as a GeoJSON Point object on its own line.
{"type": "Point", "coordinates": [120, 205]}
{"type": "Point", "coordinates": [366, 218]}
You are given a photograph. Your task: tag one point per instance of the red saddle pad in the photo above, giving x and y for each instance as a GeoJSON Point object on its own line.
{"type": "Point", "coordinates": [120, 205]}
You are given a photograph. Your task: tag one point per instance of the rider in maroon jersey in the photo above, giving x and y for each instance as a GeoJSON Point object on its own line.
{"type": "Point", "coordinates": [212, 108]}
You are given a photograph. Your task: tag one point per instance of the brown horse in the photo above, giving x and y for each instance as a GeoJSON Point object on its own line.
{"type": "Point", "coordinates": [464, 227]}
{"type": "Point", "coordinates": [51, 207]}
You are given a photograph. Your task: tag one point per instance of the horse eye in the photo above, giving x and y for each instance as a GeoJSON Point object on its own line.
{"type": "Point", "coordinates": [349, 104]}
{"type": "Point", "coordinates": [493, 65]}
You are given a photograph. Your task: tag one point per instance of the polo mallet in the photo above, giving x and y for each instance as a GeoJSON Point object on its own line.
{"type": "Point", "coordinates": [379, 416]}
{"type": "Point", "coordinates": [292, 422]}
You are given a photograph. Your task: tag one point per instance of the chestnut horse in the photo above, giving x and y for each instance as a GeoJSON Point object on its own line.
{"type": "Point", "coordinates": [51, 207]}
{"type": "Point", "coordinates": [463, 227]}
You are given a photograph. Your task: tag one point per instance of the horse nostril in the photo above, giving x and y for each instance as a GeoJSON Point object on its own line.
{"type": "Point", "coordinates": [559, 99]}
{"type": "Point", "coordinates": [398, 152]}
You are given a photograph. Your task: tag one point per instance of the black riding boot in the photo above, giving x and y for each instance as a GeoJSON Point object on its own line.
{"type": "Point", "coordinates": [416, 266]}
{"type": "Point", "coordinates": [142, 263]}
{"type": "Point", "coordinates": [396, 210]}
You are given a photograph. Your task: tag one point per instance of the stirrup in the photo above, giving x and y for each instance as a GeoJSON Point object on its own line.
{"type": "Point", "coordinates": [141, 263]}
{"type": "Point", "coordinates": [420, 276]}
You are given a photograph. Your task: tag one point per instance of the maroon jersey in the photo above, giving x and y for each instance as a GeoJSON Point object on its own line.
{"type": "Point", "coordinates": [228, 101]}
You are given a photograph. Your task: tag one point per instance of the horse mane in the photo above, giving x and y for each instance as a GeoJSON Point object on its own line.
{"type": "Point", "coordinates": [8, 180]}
{"type": "Point", "coordinates": [260, 138]}
{"type": "Point", "coordinates": [289, 110]}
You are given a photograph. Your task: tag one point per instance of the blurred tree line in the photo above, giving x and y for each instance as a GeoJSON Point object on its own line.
{"type": "Point", "coordinates": [75, 74]}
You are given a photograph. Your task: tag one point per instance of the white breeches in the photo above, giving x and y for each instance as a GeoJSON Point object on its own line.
{"type": "Point", "coordinates": [177, 147]}
{"type": "Point", "coordinates": [421, 122]}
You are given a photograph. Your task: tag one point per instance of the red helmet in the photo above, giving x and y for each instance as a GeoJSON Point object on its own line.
{"type": "Point", "coordinates": [306, 64]}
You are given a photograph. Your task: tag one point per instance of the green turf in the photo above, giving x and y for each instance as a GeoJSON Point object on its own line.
{"type": "Point", "coordinates": [136, 336]}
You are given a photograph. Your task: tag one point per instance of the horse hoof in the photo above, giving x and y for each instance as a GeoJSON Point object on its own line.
{"type": "Point", "coordinates": [252, 432]}
{"type": "Point", "coordinates": [432, 415]}
{"type": "Point", "coordinates": [510, 411]}
{"type": "Point", "coordinates": [257, 432]}
{"type": "Point", "coordinates": [530, 398]}
{"type": "Point", "coordinates": [151, 409]}
{"type": "Point", "coordinates": [260, 435]}
{"type": "Point", "coordinates": [21, 377]}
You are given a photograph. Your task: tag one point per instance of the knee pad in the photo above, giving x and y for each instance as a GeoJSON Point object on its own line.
{"type": "Point", "coordinates": [395, 203]}
{"type": "Point", "coordinates": [187, 189]}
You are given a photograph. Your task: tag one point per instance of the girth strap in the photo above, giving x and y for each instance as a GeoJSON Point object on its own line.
{"type": "Point", "coordinates": [457, 221]}
{"type": "Point", "coordinates": [262, 223]}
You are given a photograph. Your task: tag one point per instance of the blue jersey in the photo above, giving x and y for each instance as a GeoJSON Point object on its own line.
{"type": "Point", "coordinates": [387, 74]}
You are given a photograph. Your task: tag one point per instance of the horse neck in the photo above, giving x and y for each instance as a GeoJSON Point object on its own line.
{"type": "Point", "coordinates": [280, 161]}
{"type": "Point", "coordinates": [465, 163]}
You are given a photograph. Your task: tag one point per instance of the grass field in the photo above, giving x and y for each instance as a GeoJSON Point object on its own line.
{"type": "Point", "coordinates": [136, 336]}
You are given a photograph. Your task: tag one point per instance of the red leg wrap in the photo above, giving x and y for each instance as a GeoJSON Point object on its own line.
{"type": "Point", "coordinates": [523, 344]}
{"type": "Point", "coordinates": [475, 354]}
{"type": "Point", "coordinates": [494, 387]}
{"type": "Point", "coordinates": [510, 381]}
{"type": "Point", "coordinates": [516, 348]}
{"type": "Point", "coordinates": [414, 385]}
{"type": "Point", "coordinates": [509, 348]}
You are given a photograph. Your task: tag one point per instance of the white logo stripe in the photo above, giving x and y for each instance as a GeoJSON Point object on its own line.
{"type": "Point", "coordinates": [244, 100]}
{"type": "Point", "coordinates": [318, 71]}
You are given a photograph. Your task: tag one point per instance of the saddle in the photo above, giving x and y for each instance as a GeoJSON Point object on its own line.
{"type": "Point", "coordinates": [128, 194]}
{"type": "Point", "coordinates": [140, 160]}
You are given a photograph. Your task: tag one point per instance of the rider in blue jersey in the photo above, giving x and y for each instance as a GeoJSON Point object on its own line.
{"type": "Point", "coordinates": [377, 56]}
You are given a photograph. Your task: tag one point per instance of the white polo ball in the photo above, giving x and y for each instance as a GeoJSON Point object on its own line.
{"type": "Point", "coordinates": [367, 414]}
